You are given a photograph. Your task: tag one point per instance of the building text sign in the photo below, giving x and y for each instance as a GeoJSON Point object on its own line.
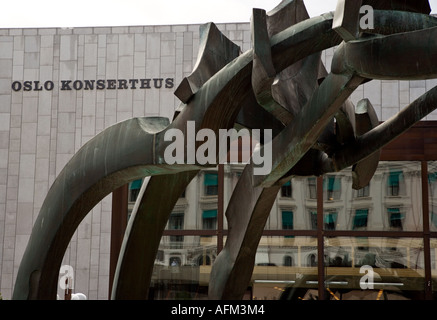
{"type": "Point", "coordinates": [99, 84]}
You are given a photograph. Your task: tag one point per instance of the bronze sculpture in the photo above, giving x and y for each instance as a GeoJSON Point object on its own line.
{"type": "Point", "coordinates": [279, 84]}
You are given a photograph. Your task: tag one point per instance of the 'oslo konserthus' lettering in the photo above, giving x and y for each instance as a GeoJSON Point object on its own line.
{"type": "Point", "coordinates": [32, 85]}
{"type": "Point", "coordinates": [99, 84]}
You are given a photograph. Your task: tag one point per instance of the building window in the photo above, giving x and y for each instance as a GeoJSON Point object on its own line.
{"type": "Point", "coordinates": [394, 181]}
{"type": "Point", "coordinates": [433, 218]}
{"type": "Point", "coordinates": [134, 189]}
{"type": "Point", "coordinates": [332, 188]}
{"type": "Point", "coordinates": [360, 219]}
{"type": "Point", "coordinates": [432, 179]}
{"type": "Point", "coordinates": [176, 242]}
{"type": "Point", "coordinates": [204, 260]}
{"type": "Point", "coordinates": [211, 184]}
{"type": "Point", "coordinates": [312, 188]}
{"type": "Point", "coordinates": [363, 192]}
{"type": "Point", "coordinates": [330, 220]}
{"type": "Point", "coordinates": [288, 261]}
{"type": "Point", "coordinates": [313, 220]}
{"type": "Point", "coordinates": [209, 219]}
{"type": "Point", "coordinates": [395, 218]}
{"type": "Point", "coordinates": [286, 191]}
{"type": "Point", "coordinates": [287, 221]}
{"type": "Point", "coordinates": [160, 255]}
{"type": "Point", "coordinates": [176, 222]}
{"type": "Point", "coordinates": [312, 260]}
{"type": "Point", "coordinates": [175, 261]}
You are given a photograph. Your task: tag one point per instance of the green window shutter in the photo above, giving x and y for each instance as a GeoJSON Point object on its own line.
{"type": "Point", "coordinates": [332, 184]}
{"type": "Point", "coordinates": [287, 219]}
{"type": "Point", "coordinates": [211, 179]}
{"type": "Point", "coordinates": [394, 178]}
{"type": "Point", "coordinates": [393, 210]}
{"type": "Point", "coordinates": [395, 217]}
{"type": "Point", "coordinates": [330, 217]}
{"type": "Point", "coordinates": [208, 214]}
{"type": "Point", "coordinates": [136, 184]}
{"type": "Point", "coordinates": [432, 177]}
{"type": "Point", "coordinates": [395, 213]}
{"type": "Point", "coordinates": [360, 219]}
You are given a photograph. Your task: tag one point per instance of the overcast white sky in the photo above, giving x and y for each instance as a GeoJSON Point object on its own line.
{"type": "Point", "coordinates": [80, 13]}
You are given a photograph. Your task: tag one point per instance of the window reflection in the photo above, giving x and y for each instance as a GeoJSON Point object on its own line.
{"type": "Point", "coordinates": [176, 222]}
{"type": "Point", "coordinates": [355, 269]}
{"type": "Point", "coordinates": [390, 202]}
{"type": "Point", "coordinates": [360, 219]}
{"type": "Point", "coordinates": [210, 181]}
{"type": "Point", "coordinates": [280, 264]}
{"type": "Point", "coordinates": [363, 192]}
{"type": "Point", "coordinates": [182, 269]}
{"type": "Point", "coordinates": [395, 218]}
{"type": "Point", "coordinates": [432, 192]}
{"type": "Point", "coordinates": [286, 190]}
{"type": "Point", "coordinates": [433, 245]}
{"type": "Point", "coordinates": [374, 268]}
{"type": "Point", "coordinates": [286, 264]}
{"type": "Point", "coordinates": [394, 182]}
{"type": "Point", "coordinates": [312, 188]}
{"type": "Point", "coordinates": [209, 219]}
{"type": "Point", "coordinates": [332, 188]}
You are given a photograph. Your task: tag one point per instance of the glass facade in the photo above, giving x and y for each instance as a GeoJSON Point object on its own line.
{"type": "Point", "coordinates": [182, 268]}
{"type": "Point", "coordinates": [432, 194]}
{"type": "Point", "coordinates": [285, 267]}
{"type": "Point", "coordinates": [358, 268]}
{"type": "Point", "coordinates": [432, 219]}
{"type": "Point", "coordinates": [392, 201]}
{"type": "Point", "coordinates": [377, 243]}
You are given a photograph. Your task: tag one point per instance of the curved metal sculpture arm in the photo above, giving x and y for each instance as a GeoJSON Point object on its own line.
{"type": "Point", "coordinates": [379, 57]}
{"type": "Point", "coordinates": [250, 205]}
{"type": "Point", "coordinates": [106, 162]}
{"type": "Point", "coordinates": [298, 41]}
{"type": "Point", "coordinates": [298, 137]}
{"type": "Point", "coordinates": [143, 234]}
{"type": "Point", "coordinates": [383, 134]}
{"type": "Point", "coordinates": [247, 213]}
{"type": "Point", "coordinates": [215, 51]}
{"type": "Point", "coordinates": [391, 22]}
{"type": "Point", "coordinates": [353, 62]}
